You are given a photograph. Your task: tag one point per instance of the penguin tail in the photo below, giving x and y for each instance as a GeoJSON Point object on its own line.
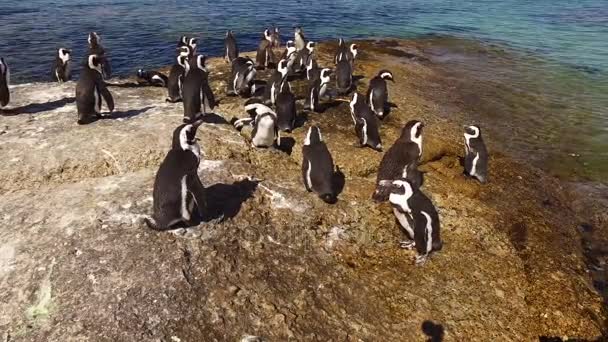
{"type": "Point", "coordinates": [381, 194]}
{"type": "Point", "coordinates": [329, 198]}
{"type": "Point", "coordinates": [151, 223]}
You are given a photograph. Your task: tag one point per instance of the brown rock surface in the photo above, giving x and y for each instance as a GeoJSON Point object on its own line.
{"type": "Point", "coordinates": [76, 262]}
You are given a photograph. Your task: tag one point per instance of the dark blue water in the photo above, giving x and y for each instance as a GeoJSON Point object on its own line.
{"type": "Point", "coordinates": [558, 51]}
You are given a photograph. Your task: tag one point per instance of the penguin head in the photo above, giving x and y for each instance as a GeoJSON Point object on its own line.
{"type": "Point", "coordinates": [183, 51]}
{"type": "Point", "coordinates": [282, 67]}
{"type": "Point", "coordinates": [64, 54]}
{"type": "Point", "coordinates": [340, 42]}
{"type": "Point", "coordinates": [140, 73]}
{"type": "Point", "coordinates": [412, 130]}
{"type": "Point", "coordinates": [298, 30]}
{"type": "Point", "coordinates": [353, 50]}
{"type": "Point", "coordinates": [255, 108]}
{"type": "Point", "coordinates": [183, 40]}
{"type": "Point", "coordinates": [313, 136]}
{"type": "Point", "coordinates": [192, 43]}
{"type": "Point", "coordinates": [3, 67]}
{"type": "Point", "coordinates": [472, 131]}
{"type": "Point", "coordinates": [267, 35]}
{"type": "Point", "coordinates": [94, 62]}
{"type": "Point", "coordinates": [325, 74]}
{"type": "Point", "coordinates": [229, 33]}
{"type": "Point", "coordinates": [310, 46]}
{"type": "Point", "coordinates": [184, 135]}
{"type": "Point", "coordinates": [200, 62]}
{"type": "Point", "coordinates": [386, 75]}
{"type": "Point", "coordinates": [401, 191]}
{"type": "Point", "coordinates": [94, 39]}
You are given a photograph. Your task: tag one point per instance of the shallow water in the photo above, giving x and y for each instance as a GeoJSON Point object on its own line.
{"type": "Point", "coordinates": [540, 68]}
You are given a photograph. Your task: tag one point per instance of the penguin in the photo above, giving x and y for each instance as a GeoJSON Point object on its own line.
{"type": "Point", "coordinates": [346, 53]}
{"type": "Point", "coordinates": [312, 69]}
{"type": "Point", "coordinates": [242, 79]}
{"type": "Point", "coordinates": [90, 90]}
{"type": "Point", "coordinates": [154, 78]}
{"type": "Point", "coordinates": [417, 215]}
{"type": "Point", "coordinates": [299, 38]}
{"type": "Point", "coordinates": [198, 97]}
{"type": "Point", "coordinates": [401, 161]}
{"type": "Point", "coordinates": [95, 48]}
{"type": "Point", "coordinates": [377, 93]}
{"type": "Point", "coordinates": [176, 75]}
{"type": "Point", "coordinates": [366, 123]}
{"type": "Point", "coordinates": [341, 51]}
{"type": "Point", "coordinates": [179, 196]}
{"type": "Point", "coordinates": [344, 77]}
{"type": "Point", "coordinates": [318, 166]}
{"type": "Point", "coordinates": [476, 154]}
{"type": "Point", "coordinates": [304, 56]}
{"type": "Point", "coordinates": [231, 50]}
{"type": "Point", "coordinates": [265, 57]}
{"type": "Point", "coordinates": [286, 107]}
{"type": "Point", "coordinates": [192, 43]}
{"type": "Point", "coordinates": [275, 37]}
{"type": "Point", "coordinates": [290, 55]}
{"type": "Point", "coordinates": [183, 41]}
{"type": "Point", "coordinates": [317, 90]}
{"type": "Point", "coordinates": [5, 80]}
{"type": "Point", "coordinates": [62, 68]}
{"type": "Point", "coordinates": [351, 55]}
{"type": "Point", "coordinates": [274, 83]}
{"type": "Point", "coordinates": [264, 121]}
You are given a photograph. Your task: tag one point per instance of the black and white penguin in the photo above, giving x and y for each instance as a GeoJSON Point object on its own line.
{"type": "Point", "coordinates": [318, 166]}
{"type": "Point", "coordinates": [275, 37]}
{"type": "Point", "coordinates": [346, 53]}
{"type": "Point", "coordinates": [90, 90]}
{"type": "Point", "coordinates": [177, 73]}
{"type": "Point", "coordinates": [192, 43]}
{"type": "Point", "coordinates": [179, 196]}
{"type": "Point", "coordinates": [476, 154]}
{"type": "Point", "coordinates": [317, 90]}
{"type": "Point", "coordinates": [299, 38]}
{"type": "Point", "coordinates": [377, 93]}
{"type": "Point", "coordinates": [265, 57]}
{"type": "Point", "coordinates": [304, 56]}
{"type": "Point", "coordinates": [351, 55]}
{"type": "Point", "coordinates": [242, 79]}
{"type": "Point", "coordinates": [286, 107]}
{"type": "Point", "coordinates": [231, 50]}
{"type": "Point", "coordinates": [183, 41]}
{"type": "Point", "coordinates": [401, 161]}
{"type": "Point", "coordinates": [312, 69]}
{"type": "Point", "coordinates": [366, 123]}
{"type": "Point", "coordinates": [62, 69]}
{"type": "Point", "coordinates": [197, 95]}
{"type": "Point", "coordinates": [341, 51]}
{"type": "Point", "coordinates": [344, 77]}
{"type": "Point", "coordinates": [154, 78]}
{"type": "Point", "coordinates": [274, 83]}
{"type": "Point", "coordinates": [264, 122]}
{"type": "Point", "coordinates": [95, 48]}
{"type": "Point", "coordinates": [290, 54]}
{"type": "Point", "coordinates": [417, 215]}
{"type": "Point", "coordinates": [5, 80]}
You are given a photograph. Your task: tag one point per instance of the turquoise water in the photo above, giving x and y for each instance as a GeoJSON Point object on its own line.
{"type": "Point", "coordinates": [552, 59]}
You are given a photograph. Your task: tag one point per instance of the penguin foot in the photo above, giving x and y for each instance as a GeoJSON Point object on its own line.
{"type": "Point", "coordinates": [407, 244]}
{"type": "Point", "coordinates": [421, 259]}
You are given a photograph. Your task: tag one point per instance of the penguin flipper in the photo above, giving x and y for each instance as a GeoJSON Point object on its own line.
{"type": "Point", "coordinates": [208, 96]}
{"type": "Point", "coordinates": [198, 192]}
{"type": "Point", "coordinates": [107, 96]}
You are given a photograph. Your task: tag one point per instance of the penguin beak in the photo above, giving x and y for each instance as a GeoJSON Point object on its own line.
{"type": "Point", "coordinates": [197, 123]}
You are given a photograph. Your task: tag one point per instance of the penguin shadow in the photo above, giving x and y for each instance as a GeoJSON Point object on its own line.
{"type": "Point", "coordinates": [259, 87]}
{"type": "Point", "coordinates": [225, 200]}
{"type": "Point", "coordinates": [301, 119]}
{"type": "Point", "coordinates": [125, 114]}
{"type": "Point", "coordinates": [329, 105]}
{"type": "Point", "coordinates": [433, 331]}
{"type": "Point", "coordinates": [287, 144]}
{"type": "Point", "coordinates": [357, 78]}
{"type": "Point", "coordinates": [389, 108]}
{"type": "Point", "coordinates": [338, 181]}
{"type": "Point", "coordinates": [213, 118]}
{"type": "Point", "coordinates": [34, 108]}
{"type": "Point", "coordinates": [132, 85]}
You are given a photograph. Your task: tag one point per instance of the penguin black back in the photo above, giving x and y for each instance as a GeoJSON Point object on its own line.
{"type": "Point", "coordinates": [286, 107]}
{"type": "Point", "coordinates": [366, 123]}
{"type": "Point", "coordinates": [177, 73]}
{"type": "Point", "coordinates": [344, 77]}
{"type": "Point", "coordinates": [5, 79]}
{"type": "Point", "coordinates": [61, 67]}
{"type": "Point", "coordinates": [377, 92]}
{"type": "Point", "coordinates": [95, 48]}
{"type": "Point", "coordinates": [231, 50]}
{"type": "Point", "coordinates": [242, 80]}
{"type": "Point", "coordinates": [476, 154]}
{"type": "Point", "coordinates": [197, 95]}
{"type": "Point", "coordinates": [318, 166]}
{"type": "Point", "coordinates": [90, 90]}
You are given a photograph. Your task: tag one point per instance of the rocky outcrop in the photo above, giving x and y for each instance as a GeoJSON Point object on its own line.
{"type": "Point", "coordinates": [77, 263]}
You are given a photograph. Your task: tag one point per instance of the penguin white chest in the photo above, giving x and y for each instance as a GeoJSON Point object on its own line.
{"type": "Point", "coordinates": [184, 197]}
{"type": "Point", "coordinates": [474, 164]}
{"type": "Point", "coordinates": [265, 133]}
{"type": "Point", "coordinates": [404, 222]}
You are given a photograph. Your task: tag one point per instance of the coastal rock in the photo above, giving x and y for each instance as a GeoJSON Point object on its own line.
{"type": "Point", "coordinates": [77, 263]}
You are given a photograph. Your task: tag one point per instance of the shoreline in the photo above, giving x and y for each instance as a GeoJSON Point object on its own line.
{"type": "Point", "coordinates": [513, 265]}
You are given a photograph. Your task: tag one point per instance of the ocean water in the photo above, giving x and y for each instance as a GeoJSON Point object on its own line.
{"type": "Point", "coordinates": [541, 81]}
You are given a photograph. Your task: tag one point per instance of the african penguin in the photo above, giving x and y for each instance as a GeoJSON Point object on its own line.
{"type": "Point", "coordinates": [318, 166]}
{"type": "Point", "coordinates": [304, 56]}
{"type": "Point", "coordinates": [274, 83]}
{"type": "Point", "coordinates": [417, 215]}
{"type": "Point", "coordinates": [62, 68]}
{"type": "Point", "coordinates": [197, 95]}
{"type": "Point", "coordinates": [183, 41]}
{"type": "Point", "coordinates": [176, 75]}
{"type": "Point", "coordinates": [377, 93]}
{"type": "Point", "coordinates": [264, 122]}
{"type": "Point", "coordinates": [95, 48]}
{"type": "Point", "coordinates": [312, 69]}
{"type": "Point", "coordinates": [242, 79]}
{"type": "Point", "coordinates": [290, 54]}
{"type": "Point", "coordinates": [90, 90]}
{"type": "Point", "coordinates": [192, 43]}
{"type": "Point", "coordinates": [231, 50]}
{"type": "Point", "coordinates": [286, 107]}
{"type": "Point", "coordinates": [5, 80]}
{"type": "Point", "coordinates": [317, 90]}
{"type": "Point", "coordinates": [344, 77]}
{"type": "Point", "coordinates": [346, 53]}
{"type": "Point", "coordinates": [476, 154]}
{"type": "Point", "coordinates": [366, 123]}
{"type": "Point", "coordinates": [341, 51]}
{"type": "Point", "coordinates": [154, 78]}
{"type": "Point", "coordinates": [265, 57]}
{"type": "Point", "coordinates": [275, 38]}
{"type": "Point", "coordinates": [351, 55]}
{"type": "Point", "coordinates": [179, 196]}
{"type": "Point", "coordinates": [401, 161]}
{"type": "Point", "coordinates": [299, 38]}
